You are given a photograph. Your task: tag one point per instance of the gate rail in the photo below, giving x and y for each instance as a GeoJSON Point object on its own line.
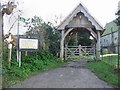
{"type": "Point", "coordinates": [73, 51]}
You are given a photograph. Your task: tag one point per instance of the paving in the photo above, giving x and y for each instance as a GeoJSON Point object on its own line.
{"type": "Point", "coordinates": [72, 75]}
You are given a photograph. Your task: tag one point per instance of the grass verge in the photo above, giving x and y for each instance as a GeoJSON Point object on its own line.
{"type": "Point", "coordinates": [104, 72]}
{"type": "Point", "coordinates": [111, 59]}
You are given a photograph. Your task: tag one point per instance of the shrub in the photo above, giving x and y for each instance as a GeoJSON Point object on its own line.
{"type": "Point", "coordinates": [34, 62]}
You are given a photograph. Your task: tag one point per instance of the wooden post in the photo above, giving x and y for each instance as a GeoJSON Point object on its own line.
{"type": "Point", "coordinates": [118, 47]}
{"type": "Point", "coordinates": [19, 58]}
{"type": "Point", "coordinates": [10, 54]}
{"type": "Point", "coordinates": [62, 45]}
{"type": "Point", "coordinates": [17, 55]}
{"type": "Point", "coordinates": [76, 38]}
{"type": "Point", "coordinates": [94, 48]}
{"type": "Point", "coordinates": [1, 45]}
{"type": "Point", "coordinates": [26, 53]}
{"type": "Point", "coordinates": [65, 52]}
{"type": "Point", "coordinates": [79, 50]}
{"type": "Point", "coordinates": [18, 39]}
{"type": "Point", "coordinates": [63, 35]}
{"type": "Point", "coordinates": [98, 46]}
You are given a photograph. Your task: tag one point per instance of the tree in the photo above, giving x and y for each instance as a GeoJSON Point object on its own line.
{"type": "Point", "coordinates": [84, 38]}
{"type": "Point", "coordinates": [35, 29]}
{"type": "Point", "coordinates": [48, 36]}
{"type": "Point", "coordinates": [4, 9]}
{"type": "Point", "coordinates": [53, 38]}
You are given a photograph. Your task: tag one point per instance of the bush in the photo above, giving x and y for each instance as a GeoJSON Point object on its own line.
{"type": "Point", "coordinates": [105, 51]}
{"type": "Point", "coordinates": [34, 62]}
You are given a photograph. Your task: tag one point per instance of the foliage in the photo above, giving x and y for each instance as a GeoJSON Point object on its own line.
{"type": "Point", "coordinates": [52, 37]}
{"type": "Point", "coordinates": [31, 64]}
{"type": "Point", "coordinates": [48, 36]}
{"type": "Point", "coordinates": [104, 71]}
{"type": "Point", "coordinates": [84, 38]}
{"type": "Point", "coordinates": [72, 42]}
{"type": "Point", "coordinates": [117, 21]}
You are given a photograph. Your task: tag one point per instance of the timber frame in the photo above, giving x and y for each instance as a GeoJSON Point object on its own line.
{"type": "Point", "coordinates": [80, 18]}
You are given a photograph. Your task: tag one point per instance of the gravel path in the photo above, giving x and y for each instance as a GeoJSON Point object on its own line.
{"type": "Point", "coordinates": [72, 75]}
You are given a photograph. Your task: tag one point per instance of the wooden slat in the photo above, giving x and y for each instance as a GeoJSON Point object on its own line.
{"type": "Point", "coordinates": [71, 51]}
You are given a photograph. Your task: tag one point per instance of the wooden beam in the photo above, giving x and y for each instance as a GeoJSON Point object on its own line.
{"type": "Point", "coordinates": [67, 32]}
{"type": "Point", "coordinates": [98, 46]}
{"type": "Point", "coordinates": [63, 35]}
{"type": "Point", "coordinates": [95, 35]}
{"type": "Point", "coordinates": [62, 45]}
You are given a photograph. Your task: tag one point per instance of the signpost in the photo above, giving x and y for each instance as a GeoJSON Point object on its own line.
{"type": "Point", "coordinates": [26, 44]}
{"type": "Point", "coordinates": [18, 40]}
{"type": "Point", "coordinates": [23, 20]}
{"type": "Point", "coordinates": [10, 54]}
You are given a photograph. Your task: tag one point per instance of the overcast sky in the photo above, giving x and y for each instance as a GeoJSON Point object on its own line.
{"type": "Point", "coordinates": [103, 10]}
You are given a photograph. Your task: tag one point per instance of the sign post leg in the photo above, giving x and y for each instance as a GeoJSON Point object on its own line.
{"type": "Point", "coordinates": [18, 41]}
{"type": "Point", "coordinates": [19, 59]}
{"type": "Point", "coordinates": [10, 54]}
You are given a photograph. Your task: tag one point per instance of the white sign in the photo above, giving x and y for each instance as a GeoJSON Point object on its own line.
{"type": "Point", "coordinates": [28, 43]}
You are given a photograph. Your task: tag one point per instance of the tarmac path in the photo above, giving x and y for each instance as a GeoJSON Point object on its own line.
{"type": "Point", "coordinates": [72, 75]}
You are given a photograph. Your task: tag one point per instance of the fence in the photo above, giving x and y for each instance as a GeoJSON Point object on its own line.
{"type": "Point", "coordinates": [111, 55]}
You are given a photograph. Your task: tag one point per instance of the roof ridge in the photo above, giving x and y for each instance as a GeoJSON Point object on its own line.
{"type": "Point", "coordinates": [91, 15]}
{"type": "Point", "coordinates": [80, 7]}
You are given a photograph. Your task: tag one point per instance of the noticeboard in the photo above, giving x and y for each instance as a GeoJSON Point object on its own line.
{"type": "Point", "coordinates": [28, 44]}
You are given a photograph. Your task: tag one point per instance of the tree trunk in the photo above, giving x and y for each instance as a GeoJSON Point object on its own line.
{"type": "Point", "coordinates": [1, 52]}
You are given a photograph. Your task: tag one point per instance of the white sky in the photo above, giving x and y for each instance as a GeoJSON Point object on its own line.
{"type": "Point", "coordinates": [103, 10]}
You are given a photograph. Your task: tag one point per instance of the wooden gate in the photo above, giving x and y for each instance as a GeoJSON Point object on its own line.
{"type": "Point", "coordinates": [77, 51]}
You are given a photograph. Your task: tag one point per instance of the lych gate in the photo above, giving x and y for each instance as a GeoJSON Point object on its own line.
{"type": "Point", "coordinates": [79, 20]}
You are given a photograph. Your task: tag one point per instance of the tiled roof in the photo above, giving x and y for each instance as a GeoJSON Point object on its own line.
{"type": "Point", "coordinates": [110, 28]}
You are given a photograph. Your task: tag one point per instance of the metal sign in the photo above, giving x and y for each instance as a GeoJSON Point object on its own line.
{"type": "Point", "coordinates": [28, 44]}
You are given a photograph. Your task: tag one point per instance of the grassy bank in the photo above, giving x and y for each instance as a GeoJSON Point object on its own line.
{"type": "Point", "coordinates": [31, 64]}
{"type": "Point", "coordinates": [104, 71]}
{"type": "Point", "coordinates": [111, 59]}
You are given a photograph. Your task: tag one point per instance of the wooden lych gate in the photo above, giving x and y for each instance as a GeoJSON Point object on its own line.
{"type": "Point", "coordinates": [71, 52]}
{"type": "Point", "coordinates": [79, 20]}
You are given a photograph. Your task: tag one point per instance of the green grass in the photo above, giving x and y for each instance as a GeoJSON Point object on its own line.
{"type": "Point", "coordinates": [111, 59]}
{"type": "Point", "coordinates": [104, 72]}
{"type": "Point", "coordinates": [77, 57]}
{"type": "Point", "coordinates": [88, 57]}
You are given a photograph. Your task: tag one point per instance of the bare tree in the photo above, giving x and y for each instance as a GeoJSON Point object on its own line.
{"type": "Point", "coordinates": [4, 9]}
